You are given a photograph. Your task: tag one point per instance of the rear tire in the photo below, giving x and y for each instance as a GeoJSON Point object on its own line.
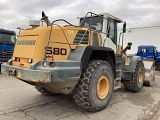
{"type": "Point", "coordinates": [95, 87]}
{"type": "Point", "coordinates": [136, 84]}
{"type": "Point", "coordinates": [44, 91]}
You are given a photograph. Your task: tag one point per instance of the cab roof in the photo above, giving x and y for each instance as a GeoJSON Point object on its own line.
{"type": "Point", "coordinates": [107, 16]}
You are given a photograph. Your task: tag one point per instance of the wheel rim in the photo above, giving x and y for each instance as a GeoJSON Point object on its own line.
{"type": "Point", "coordinates": [140, 77]}
{"type": "Point", "coordinates": [103, 87]}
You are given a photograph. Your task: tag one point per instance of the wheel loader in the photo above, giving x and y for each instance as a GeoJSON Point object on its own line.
{"type": "Point", "coordinates": [84, 60]}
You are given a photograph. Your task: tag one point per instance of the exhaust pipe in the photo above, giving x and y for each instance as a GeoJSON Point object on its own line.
{"type": "Point", "coordinates": [45, 19]}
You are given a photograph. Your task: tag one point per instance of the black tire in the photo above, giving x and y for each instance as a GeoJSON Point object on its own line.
{"type": "Point", "coordinates": [85, 93]}
{"type": "Point", "coordinates": [44, 91]}
{"type": "Point", "coordinates": [136, 84]}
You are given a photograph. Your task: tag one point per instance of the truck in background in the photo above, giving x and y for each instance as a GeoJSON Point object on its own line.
{"type": "Point", "coordinates": [7, 43]}
{"type": "Point", "coordinates": [149, 52]}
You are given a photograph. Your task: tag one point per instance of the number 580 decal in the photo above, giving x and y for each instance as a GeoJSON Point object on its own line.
{"type": "Point", "coordinates": [56, 51]}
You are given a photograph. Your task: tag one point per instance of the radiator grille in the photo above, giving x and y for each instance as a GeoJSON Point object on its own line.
{"type": "Point", "coordinates": [5, 55]}
{"type": "Point", "coordinates": [82, 37]}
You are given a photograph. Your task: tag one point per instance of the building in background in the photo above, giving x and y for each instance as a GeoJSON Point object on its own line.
{"type": "Point", "coordinates": [142, 36]}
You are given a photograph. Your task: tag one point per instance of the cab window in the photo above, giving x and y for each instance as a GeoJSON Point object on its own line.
{"type": "Point", "coordinates": [94, 23]}
{"type": "Point", "coordinates": [143, 50]}
{"type": "Point", "coordinates": [111, 32]}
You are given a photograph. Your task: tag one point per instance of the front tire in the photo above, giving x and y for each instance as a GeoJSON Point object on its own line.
{"type": "Point", "coordinates": [136, 84]}
{"type": "Point", "coordinates": [95, 87]}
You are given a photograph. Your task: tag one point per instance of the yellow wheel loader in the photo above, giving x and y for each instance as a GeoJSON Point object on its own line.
{"type": "Point", "coordinates": [84, 60]}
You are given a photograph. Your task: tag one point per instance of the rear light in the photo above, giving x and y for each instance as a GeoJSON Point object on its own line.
{"type": "Point", "coordinates": [30, 60]}
{"type": "Point", "coordinates": [52, 64]}
{"type": "Point", "coordinates": [16, 59]}
{"type": "Point", "coordinates": [49, 63]}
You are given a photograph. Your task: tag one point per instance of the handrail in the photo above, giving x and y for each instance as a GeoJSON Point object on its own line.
{"type": "Point", "coordinates": [71, 25]}
{"type": "Point", "coordinates": [91, 16]}
{"type": "Point", "coordinates": [51, 33]}
{"type": "Point", "coordinates": [62, 20]}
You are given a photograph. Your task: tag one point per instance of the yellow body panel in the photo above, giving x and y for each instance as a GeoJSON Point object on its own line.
{"type": "Point", "coordinates": [24, 50]}
{"type": "Point", "coordinates": [59, 51]}
{"type": "Point", "coordinates": [32, 43]}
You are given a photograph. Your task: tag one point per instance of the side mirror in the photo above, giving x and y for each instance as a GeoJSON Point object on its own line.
{"type": "Point", "coordinates": [129, 47]}
{"type": "Point", "coordinates": [124, 27]}
{"type": "Point", "coordinates": [130, 43]}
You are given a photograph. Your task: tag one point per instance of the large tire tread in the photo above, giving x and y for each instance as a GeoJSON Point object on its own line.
{"type": "Point", "coordinates": [81, 92]}
{"type": "Point", "coordinates": [132, 85]}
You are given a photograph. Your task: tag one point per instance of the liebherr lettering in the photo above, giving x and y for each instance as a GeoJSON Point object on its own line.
{"type": "Point", "coordinates": [26, 42]}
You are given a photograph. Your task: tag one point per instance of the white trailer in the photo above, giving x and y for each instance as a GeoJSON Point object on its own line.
{"type": "Point", "coordinates": [142, 36]}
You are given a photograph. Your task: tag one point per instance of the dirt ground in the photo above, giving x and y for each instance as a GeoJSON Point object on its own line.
{"type": "Point", "coordinates": [20, 101]}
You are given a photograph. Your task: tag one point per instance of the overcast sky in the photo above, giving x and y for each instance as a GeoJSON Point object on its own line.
{"type": "Point", "coordinates": [137, 13]}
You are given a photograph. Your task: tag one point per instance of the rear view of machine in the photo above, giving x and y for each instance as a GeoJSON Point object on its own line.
{"type": "Point", "coordinates": [84, 60]}
{"type": "Point", "coordinates": [7, 42]}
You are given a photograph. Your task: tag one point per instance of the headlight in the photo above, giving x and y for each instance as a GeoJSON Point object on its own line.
{"type": "Point", "coordinates": [16, 59]}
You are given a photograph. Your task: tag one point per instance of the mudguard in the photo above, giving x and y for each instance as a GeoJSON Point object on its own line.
{"type": "Point", "coordinates": [84, 54]}
{"type": "Point", "coordinates": [129, 63]}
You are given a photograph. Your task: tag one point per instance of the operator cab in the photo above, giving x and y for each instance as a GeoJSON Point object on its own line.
{"type": "Point", "coordinates": [106, 25]}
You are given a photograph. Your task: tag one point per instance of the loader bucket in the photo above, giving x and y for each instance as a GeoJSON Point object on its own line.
{"type": "Point", "coordinates": [149, 79]}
